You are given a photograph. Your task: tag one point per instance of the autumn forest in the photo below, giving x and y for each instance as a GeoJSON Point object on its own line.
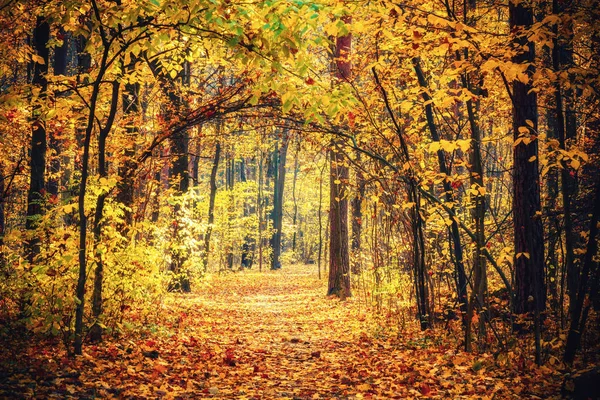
{"type": "Point", "coordinates": [302, 199]}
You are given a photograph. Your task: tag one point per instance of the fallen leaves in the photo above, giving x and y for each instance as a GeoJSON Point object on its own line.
{"type": "Point", "coordinates": [270, 335]}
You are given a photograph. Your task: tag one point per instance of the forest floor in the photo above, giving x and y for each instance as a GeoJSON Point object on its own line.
{"type": "Point", "coordinates": [270, 335]}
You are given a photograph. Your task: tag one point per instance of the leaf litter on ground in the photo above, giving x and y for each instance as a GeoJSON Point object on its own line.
{"type": "Point", "coordinates": [269, 335]}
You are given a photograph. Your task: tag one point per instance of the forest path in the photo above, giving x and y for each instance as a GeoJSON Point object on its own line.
{"type": "Point", "coordinates": [269, 335]}
{"type": "Point", "coordinates": [275, 335]}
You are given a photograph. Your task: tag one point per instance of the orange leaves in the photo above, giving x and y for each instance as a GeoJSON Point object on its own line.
{"type": "Point", "coordinates": [274, 335]}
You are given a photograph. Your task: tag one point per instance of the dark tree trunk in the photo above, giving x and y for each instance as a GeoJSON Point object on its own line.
{"type": "Point", "coordinates": [553, 231]}
{"type": "Point", "coordinates": [277, 213]}
{"type": "Point", "coordinates": [70, 164]}
{"type": "Point", "coordinates": [479, 294]}
{"type": "Point", "coordinates": [415, 216]}
{"type": "Point", "coordinates": [419, 266]}
{"type": "Point", "coordinates": [196, 163]}
{"type": "Point", "coordinates": [71, 185]}
{"type": "Point", "coordinates": [320, 217]}
{"type": "Point", "coordinates": [179, 176]}
{"type": "Point", "coordinates": [588, 277]}
{"type": "Point", "coordinates": [211, 204]}
{"type": "Point", "coordinates": [97, 301]}
{"type": "Point", "coordinates": [60, 68]}
{"type": "Point", "coordinates": [339, 257]}
{"type": "Point", "coordinates": [35, 195]}
{"type": "Point", "coordinates": [461, 288]}
{"type": "Point", "coordinates": [562, 59]}
{"type": "Point", "coordinates": [2, 218]}
{"type": "Point", "coordinates": [249, 244]}
{"type": "Point", "coordinates": [295, 200]}
{"type": "Point", "coordinates": [588, 285]}
{"type": "Point", "coordinates": [230, 183]}
{"type": "Point", "coordinates": [356, 204]}
{"type": "Point", "coordinates": [178, 173]}
{"type": "Point", "coordinates": [530, 292]}
{"type": "Point", "coordinates": [259, 210]}
{"type": "Point", "coordinates": [82, 277]}
{"type": "Point", "coordinates": [128, 165]}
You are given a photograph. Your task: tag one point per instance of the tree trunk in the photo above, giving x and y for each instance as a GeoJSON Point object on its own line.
{"type": "Point", "coordinates": [588, 286]}
{"type": "Point", "coordinates": [588, 282]}
{"type": "Point", "coordinates": [259, 210]}
{"type": "Point", "coordinates": [479, 294]}
{"type": "Point", "coordinates": [530, 292]}
{"type": "Point", "coordinates": [461, 289]}
{"type": "Point", "coordinates": [82, 277]}
{"type": "Point", "coordinates": [295, 200]}
{"type": "Point", "coordinates": [35, 195]}
{"type": "Point", "coordinates": [320, 216]}
{"type": "Point", "coordinates": [230, 183]}
{"type": "Point", "coordinates": [356, 204]}
{"type": "Point", "coordinates": [339, 257]}
{"type": "Point", "coordinates": [128, 165]}
{"type": "Point", "coordinates": [249, 245]}
{"type": "Point", "coordinates": [178, 174]}
{"type": "Point", "coordinates": [60, 68]}
{"type": "Point", "coordinates": [419, 266]}
{"type": "Point", "coordinates": [196, 161]}
{"type": "Point", "coordinates": [562, 59]}
{"type": "Point", "coordinates": [278, 188]}
{"type": "Point", "coordinates": [211, 204]}
{"type": "Point", "coordinates": [2, 218]}
{"type": "Point", "coordinates": [84, 63]}
{"type": "Point", "coordinates": [97, 302]}
{"type": "Point", "coordinates": [416, 221]}
{"type": "Point", "coordinates": [554, 231]}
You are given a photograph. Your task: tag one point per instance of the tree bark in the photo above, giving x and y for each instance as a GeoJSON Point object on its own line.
{"type": "Point", "coordinates": [35, 195]}
{"type": "Point", "coordinates": [128, 165]}
{"type": "Point", "coordinates": [178, 173]}
{"type": "Point", "coordinates": [356, 204]}
{"type": "Point", "coordinates": [97, 301]}
{"type": "Point", "coordinates": [339, 257]}
{"type": "Point", "coordinates": [295, 200]}
{"type": "Point", "coordinates": [60, 68]}
{"type": "Point", "coordinates": [479, 294]}
{"type": "Point", "coordinates": [230, 184]}
{"type": "Point", "coordinates": [457, 248]}
{"type": "Point", "coordinates": [320, 217]}
{"type": "Point", "coordinates": [259, 210]}
{"type": "Point", "coordinates": [2, 218]}
{"type": "Point", "coordinates": [530, 291]}
{"type": "Point", "coordinates": [277, 213]}
{"type": "Point", "coordinates": [211, 204]}
{"type": "Point", "coordinates": [249, 245]}
{"type": "Point", "coordinates": [82, 277]}
{"type": "Point", "coordinates": [588, 286]}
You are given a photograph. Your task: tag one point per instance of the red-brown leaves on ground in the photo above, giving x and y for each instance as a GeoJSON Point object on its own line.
{"type": "Point", "coordinates": [268, 336]}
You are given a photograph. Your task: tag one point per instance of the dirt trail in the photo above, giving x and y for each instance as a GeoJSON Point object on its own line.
{"type": "Point", "coordinates": [270, 335]}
